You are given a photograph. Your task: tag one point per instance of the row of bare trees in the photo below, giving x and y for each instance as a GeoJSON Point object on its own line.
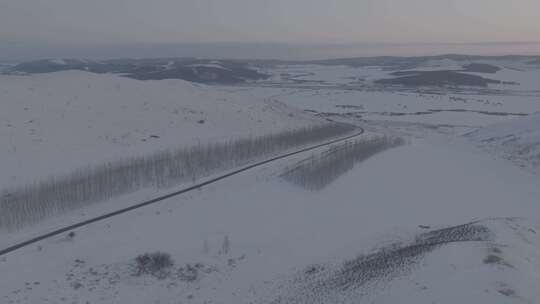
{"type": "Point", "coordinates": [28, 204]}
{"type": "Point", "coordinates": [320, 170]}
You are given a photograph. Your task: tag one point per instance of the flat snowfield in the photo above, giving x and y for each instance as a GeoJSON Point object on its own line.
{"type": "Point", "coordinates": [413, 210]}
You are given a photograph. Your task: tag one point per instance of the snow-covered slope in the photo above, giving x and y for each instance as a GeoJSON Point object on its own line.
{"type": "Point", "coordinates": [53, 123]}
{"type": "Point", "coordinates": [517, 140]}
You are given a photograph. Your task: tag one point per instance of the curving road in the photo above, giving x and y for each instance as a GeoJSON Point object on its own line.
{"type": "Point", "coordinates": [173, 194]}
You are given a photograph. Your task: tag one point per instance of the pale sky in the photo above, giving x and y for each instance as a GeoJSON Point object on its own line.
{"type": "Point", "coordinates": [80, 23]}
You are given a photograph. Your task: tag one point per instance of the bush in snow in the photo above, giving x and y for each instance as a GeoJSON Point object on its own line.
{"type": "Point", "coordinates": [31, 203]}
{"type": "Point", "coordinates": [155, 264]}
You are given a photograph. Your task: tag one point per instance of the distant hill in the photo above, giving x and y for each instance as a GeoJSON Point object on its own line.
{"type": "Point", "coordinates": [189, 69]}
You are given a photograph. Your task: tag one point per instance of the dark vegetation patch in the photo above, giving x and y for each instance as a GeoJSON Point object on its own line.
{"type": "Point", "coordinates": [389, 62]}
{"type": "Point", "coordinates": [472, 68]}
{"type": "Point", "coordinates": [481, 68]}
{"type": "Point", "coordinates": [492, 113]}
{"type": "Point", "coordinates": [426, 112]}
{"type": "Point", "coordinates": [194, 70]}
{"type": "Point", "coordinates": [437, 78]}
{"type": "Point", "coordinates": [162, 266]}
{"type": "Point", "coordinates": [508, 292]}
{"type": "Point", "coordinates": [156, 264]}
{"type": "Point", "coordinates": [318, 285]}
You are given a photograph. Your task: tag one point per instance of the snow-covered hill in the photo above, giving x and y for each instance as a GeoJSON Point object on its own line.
{"type": "Point", "coordinates": [189, 69]}
{"type": "Point", "coordinates": [516, 139]}
{"type": "Point", "coordinates": [53, 123]}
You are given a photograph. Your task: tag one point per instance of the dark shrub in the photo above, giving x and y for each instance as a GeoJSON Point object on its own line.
{"type": "Point", "coordinates": [155, 264]}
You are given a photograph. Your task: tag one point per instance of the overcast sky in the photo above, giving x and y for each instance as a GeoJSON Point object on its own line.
{"type": "Point", "coordinates": [106, 22]}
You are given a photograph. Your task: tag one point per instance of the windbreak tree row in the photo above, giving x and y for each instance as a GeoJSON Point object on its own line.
{"type": "Point", "coordinates": [320, 170]}
{"type": "Point", "coordinates": [28, 204]}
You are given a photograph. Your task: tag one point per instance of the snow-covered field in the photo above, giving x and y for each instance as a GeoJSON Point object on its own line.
{"type": "Point", "coordinates": [259, 239]}
{"type": "Point", "coordinates": [352, 90]}
{"type": "Point", "coordinates": [51, 124]}
{"type": "Point", "coordinates": [432, 218]}
{"type": "Point", "coordinates": [517, 140]}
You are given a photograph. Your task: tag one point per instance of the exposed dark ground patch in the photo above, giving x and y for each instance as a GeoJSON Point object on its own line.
{"type": "Point", "coordinates": [481, 68]}
{"type": "Point", "coordinates": [332, 284]}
